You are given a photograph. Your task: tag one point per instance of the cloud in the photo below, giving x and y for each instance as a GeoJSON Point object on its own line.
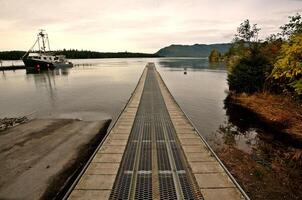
{"type": "Point", "coordinates": [135, 25]}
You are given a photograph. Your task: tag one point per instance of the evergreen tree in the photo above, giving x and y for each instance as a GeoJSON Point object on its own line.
{"type": "Point", "coordinates": [214, 56]}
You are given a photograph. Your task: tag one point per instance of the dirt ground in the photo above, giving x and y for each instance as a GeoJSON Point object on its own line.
{"type": "Point", "coordinates": [39, 157]}
{"type": "Point", "coordinates": [273, 168]}
{"type": "Point", "coordinates": [279, 181]}
{"type": "Point", "coordinates": [278, 111]}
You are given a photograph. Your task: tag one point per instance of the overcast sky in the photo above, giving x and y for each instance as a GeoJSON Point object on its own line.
{"type": "Point", "coordinates": [135, 25]}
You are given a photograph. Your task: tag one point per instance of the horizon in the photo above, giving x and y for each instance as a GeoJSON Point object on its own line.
{"type": "Point", "coordinates": [136, 26]}
{"type": "Point", "coordinates": [69, 49]}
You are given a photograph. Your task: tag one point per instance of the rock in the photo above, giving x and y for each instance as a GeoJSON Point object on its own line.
{"type": "Point", "coordinates": [6, 123]}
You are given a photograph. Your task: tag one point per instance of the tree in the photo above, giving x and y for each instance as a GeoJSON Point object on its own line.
{"type": "Point", "coordinates": [214, 56]}
{"type": "Point", "coordinates": [288, 67]}
{"type": "Point", "coordinates": [294, 26]}
{"type": "Point", "coordinates": [270, 48]}
{"type": "Point", "coordinates": [246, 32]}
{"type": "Point", "coordinates": [245, 41]}
{"type": "Point", "coordinates": [248, 67]}
{"type": "Point", "coordinates": [249, 74]}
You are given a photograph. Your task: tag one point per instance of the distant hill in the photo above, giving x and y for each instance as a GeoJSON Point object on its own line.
{"type": "Point", "coordinates": [196, 50]}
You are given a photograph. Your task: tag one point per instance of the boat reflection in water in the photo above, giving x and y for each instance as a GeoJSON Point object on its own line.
{"type": "Point", "coordinates": [45, 82]}
{"type": "Point", "coordinates": [62, 70]}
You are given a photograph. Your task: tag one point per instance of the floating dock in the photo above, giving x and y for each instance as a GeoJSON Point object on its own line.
{"type": "Point", "coordinates": [154, 152]}
{"type": "Point", "coordinates": [12, 67]}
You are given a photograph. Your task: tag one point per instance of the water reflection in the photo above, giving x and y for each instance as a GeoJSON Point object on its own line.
{"type": "Point", "coordinates": [45, 82]}
{"type": "Point", "coordinates": [265, 158]}
{"type": "Point", "coordinates": [243, 122]}
{"type": "Point", "coordinates": [3, 75]}
{"type": "Point", "coordinates": [89, 92]}
{"type": "Point", "coordinates": [190, 63]}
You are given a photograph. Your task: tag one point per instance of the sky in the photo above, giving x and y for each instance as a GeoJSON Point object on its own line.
{"type": "Point", "coordinates": [135, 25]}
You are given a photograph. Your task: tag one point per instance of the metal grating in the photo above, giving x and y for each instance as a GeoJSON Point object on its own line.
{"type": "Point", "coordinates": [153, 165]}
{"type": "Point", "coordinates": [144, 181]}
{"type": "Point", "coordinates": [166, 187]}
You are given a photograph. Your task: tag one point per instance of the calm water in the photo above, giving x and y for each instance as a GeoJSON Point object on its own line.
{"type": "Point", "coordinates": [94, 89]}
{"type": "Point", "coordinates": [98, 89]}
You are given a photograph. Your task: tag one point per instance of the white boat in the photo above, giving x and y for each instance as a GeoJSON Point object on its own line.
{"type": "Point", "coordinates": [42, 59]}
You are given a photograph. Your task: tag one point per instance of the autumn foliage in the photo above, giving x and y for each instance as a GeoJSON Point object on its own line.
{"type": "Point", "coordinates": [273, 65]}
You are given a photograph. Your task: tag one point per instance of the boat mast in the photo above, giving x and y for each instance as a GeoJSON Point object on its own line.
{"type": "Point", "coordinates": [42, 36]}
{"type": "Point", "coordinates": [48, 42]}
{"type": "Point", "coordinates": [38, 39]}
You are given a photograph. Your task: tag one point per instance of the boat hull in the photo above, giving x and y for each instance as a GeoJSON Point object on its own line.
{"type": "Point", "coordinates": [38, 65]}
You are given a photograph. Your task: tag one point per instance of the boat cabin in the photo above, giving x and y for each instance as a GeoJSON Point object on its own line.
{"type": "Point", "coordinates": [48, 58]}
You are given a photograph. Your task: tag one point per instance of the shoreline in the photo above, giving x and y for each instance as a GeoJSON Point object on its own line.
{"type": "Point", "coordinates": [272, 169]}
{"type": "Point", "coordinates": [9, 122]}
{"type": "Point", "coordinates": [277, 113]}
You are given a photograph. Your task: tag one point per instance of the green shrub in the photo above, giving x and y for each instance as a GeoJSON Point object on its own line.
{"type": "Point", "coordinates": [214, 56]}
{"type": "Point", "coordinates": [249, 74]}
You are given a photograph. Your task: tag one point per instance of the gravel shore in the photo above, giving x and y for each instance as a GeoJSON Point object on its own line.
{"type": "Point", "coordinates": [6, 123]}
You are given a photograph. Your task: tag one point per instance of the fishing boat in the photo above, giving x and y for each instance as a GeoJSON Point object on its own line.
{"type": "Point", "coordinates": [43, 58]}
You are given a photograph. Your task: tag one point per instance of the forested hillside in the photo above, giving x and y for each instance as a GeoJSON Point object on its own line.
{"type": "Point", "coordinates": [196, 50]}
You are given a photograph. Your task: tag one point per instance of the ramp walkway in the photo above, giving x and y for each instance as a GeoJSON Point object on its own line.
{"type": "Point", "coordinates": [154, 152]}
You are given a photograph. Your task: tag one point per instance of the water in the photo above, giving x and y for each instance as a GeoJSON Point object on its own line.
{"type": "Point", "coordinates": [97, 89]}
{"type": "Point", "coordinates": [93, 90]}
